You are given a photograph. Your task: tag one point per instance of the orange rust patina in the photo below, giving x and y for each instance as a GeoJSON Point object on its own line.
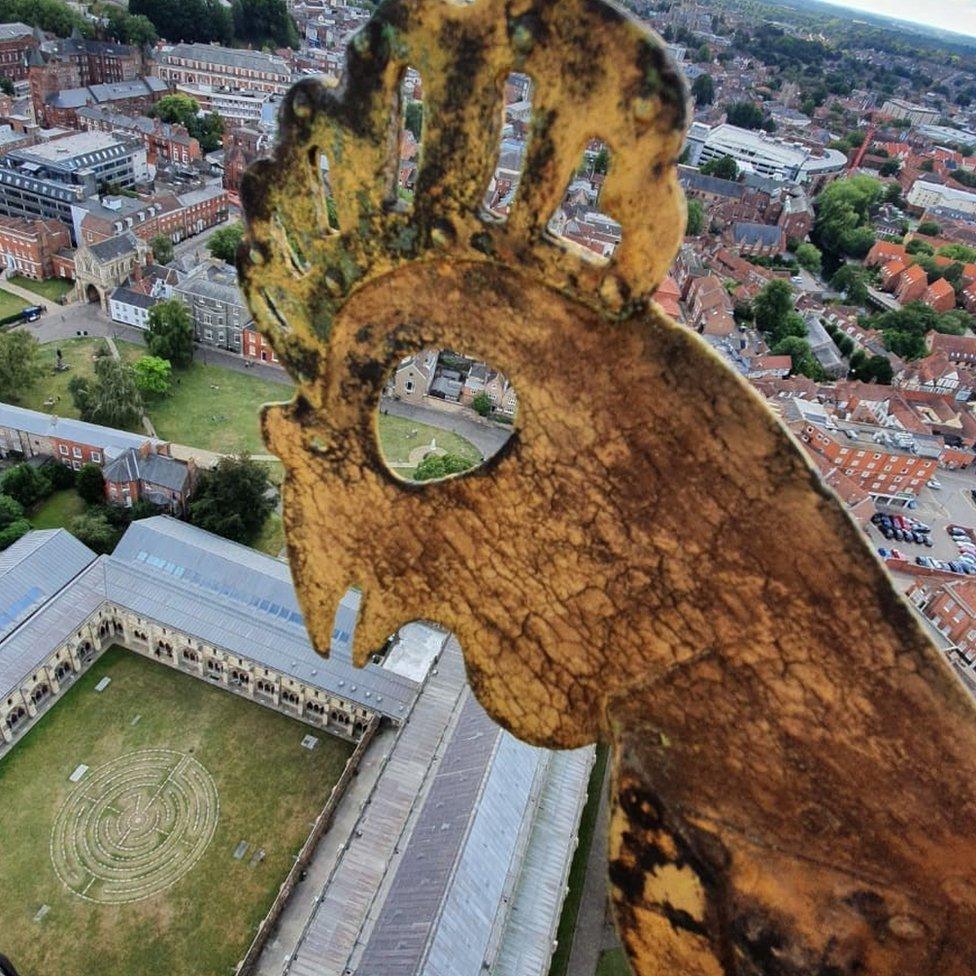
{"type": "Point", "coordinates": [651, 562]}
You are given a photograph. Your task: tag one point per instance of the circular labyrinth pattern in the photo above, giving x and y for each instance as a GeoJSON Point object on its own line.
{"type": "Point", "coordinates": [135, 826]}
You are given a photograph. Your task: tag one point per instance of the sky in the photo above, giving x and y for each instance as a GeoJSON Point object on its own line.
{"type": "Point", "coordinates": [954, 15]}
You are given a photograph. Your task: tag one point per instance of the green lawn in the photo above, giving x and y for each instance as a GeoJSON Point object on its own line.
{"type": "Point", "coordinates": [216, 409]}
{"type": "Point", "coordinates": [53, 289]}
{"type": "Point", "coordinates": [50, 393]}
{"type": "Point", "coordinates": [613, 962]}
{"type": "Point", "coordinates": [271, 538]}
{"type": "Point", "coordinates": [10, 304]}
{"type": "Point", "coordinates": [268, 789]}
{"type": "Point", "coordinates": [58, 510]}
{"type": "Point", "coordinates": [577, 871]}
{"type": "Point", "coordinates": [398, 437]}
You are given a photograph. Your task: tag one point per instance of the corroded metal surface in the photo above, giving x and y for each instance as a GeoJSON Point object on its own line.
{"type": "Point", "coordinates": [651, 561]}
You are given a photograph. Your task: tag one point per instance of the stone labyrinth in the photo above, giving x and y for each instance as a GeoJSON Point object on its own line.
{"type": "Point", "coordinates": [135, 826]}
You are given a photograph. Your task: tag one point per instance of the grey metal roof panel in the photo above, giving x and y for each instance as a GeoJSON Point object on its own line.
{"type": "Point", "coordinates": [33, 569]}
{"type": "Point", "coordinates": [114, 247]}
{"type": "Point", "coordinates": [244, 602]}
{"type": "Point", "coordinates": [47, 425]}
{"type": "Point", "coordinates": [32, 642]}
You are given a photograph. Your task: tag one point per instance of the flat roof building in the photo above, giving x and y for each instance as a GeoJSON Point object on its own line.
{"type": "Point", "coordinates": [46, 180]}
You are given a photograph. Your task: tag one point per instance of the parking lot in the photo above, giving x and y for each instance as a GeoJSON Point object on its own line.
{"type": "Point", "coordinates": [952, 505]}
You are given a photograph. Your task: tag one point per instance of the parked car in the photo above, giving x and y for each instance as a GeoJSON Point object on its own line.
{"type": "Point", "coordinates": [927, 561]}
{"type": "Point", "coordinates": [928, 541]}
{"type": "Point", "coordinates": [32, 312]}
{"type": "Point", "coordinates": [934, 483]}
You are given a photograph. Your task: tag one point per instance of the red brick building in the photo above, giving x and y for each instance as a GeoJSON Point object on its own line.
{"type": "Point", "coordinates": [876, 468]}
{"type": "Point", "coordinates": [256, 347]}
{"type": "Point", "coordinates": [163, 141]}
{"type": "Point", "coordinates": [951, 606]}
{"type": "Point", "coordinates": [28, 247]}
{"type": "Point", "coordinates": [16, 43]}
{"type": "Point", "coordinates": [882, 252]}
{"type": "Point", "coordinates": [940, 296]}
{"type": "Point", "coordinates": [242, 145]}
{"type": "Point", "coordinates": [912, 285]}
{"type": "Point", "coordinates": [144, 474]}
{"type": "Point", "coordinates": [175, 217]}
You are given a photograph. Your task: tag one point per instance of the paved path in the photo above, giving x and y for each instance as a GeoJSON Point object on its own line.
{"type": "Point", "coordinates": [31, 297]}
{"type": "Point", "coordinates": [591, 935]}
{"type": "Point", "coordinates": [485, 436]}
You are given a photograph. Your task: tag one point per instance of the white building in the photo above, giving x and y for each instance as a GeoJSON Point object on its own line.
{"type": "Point", "coordinates": [898, 108]}
{"type": "Point", "coordinates": [925, 196]}
{"type": "Point", "coordinates": [758, 152]}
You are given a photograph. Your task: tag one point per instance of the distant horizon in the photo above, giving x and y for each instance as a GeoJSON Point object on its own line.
{"type": "Point", "coordinates": [958, 16]}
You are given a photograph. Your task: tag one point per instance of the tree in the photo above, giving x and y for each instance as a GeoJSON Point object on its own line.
{"type": "Point", "coordinates": [929, 228]}
{"type": "Point", "coordinates": [704, 54]}
{"type": "Point", "coordinates": [434, 467]}
{"type": "Point", "coordinates": [179, 109]}
{"type": "Point", "coordinates": [808, 256]}
{"type": "Point", "coordinates": [844, 210]}
{"type": "Point", "coordinates": [19, 366]}
{"type": "Point", "coordinates": [10, 510]}
{"type": "Point", "coordinates": [6, 85]}
{"type": "Point", "coordinates": [413, 118]}
{"type": "Point", "coordinates": [13, 532]}
{"type": "Point", "coordinates": [958, 252]}
{"type": "Point", "coordinates": [162, 248]}
{"type": "Point", "coordinates": [802, 357]}
{"type": "Point", "coordinates": [223, 243]}
{"type": "Point", "coordinates": [60, 475]}
{"type": "Point", "coordinates": [482, 404]}
{"type": "Point", "coordinates": [90, 484]}
{"type": "Point", "coordinates": [772, 305]}
{"type": "Point", "coordinates": [890, 167]}
{"type": "Point", "coordinates": [170, 333]}
{"type": "Point", "coordinates": [746, 115]}
{"type": "Point", "coordinates": [918, 246]}
{"type": "Point", "coordinates": [725, 168]}
{"type": "Point", "coordinates": [187, 20]}
{"type": "Point", "coordinates": [264, 22]}
{"type": "Point", "coordinates": [95, 531]}
{"type": "Point", "coordinates": [25, 484]}
{"type": "Point", "coordinates": [49, 15]}
{"type": "Point", "coordinates": [601, 162]}
{"type": "Point", "coordinates": [703, 90]}
{"type": "Point", "coordinates": [233, 499]}
{"type": "Point", "coordinates": [128, 29]}
{"type": "Point", "coordinates": [852, 280]}
{"type": "Point", "coordinates": [152, 375]}
{"type": "Point", "coordinates": [112, 398]}
{"type": "Point", "coordinates": [696, 218]}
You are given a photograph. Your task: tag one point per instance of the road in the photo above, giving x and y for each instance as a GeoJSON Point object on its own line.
{"type": "Point", "coordinates": [486, 437]}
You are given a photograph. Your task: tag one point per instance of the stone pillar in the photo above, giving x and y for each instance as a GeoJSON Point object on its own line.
{"type": "Point", "coordinates": [31, 707]}
{"type": "Point", "coordinates": [8, 736]}
{"type": "Point", "coordinates": [53, 682]}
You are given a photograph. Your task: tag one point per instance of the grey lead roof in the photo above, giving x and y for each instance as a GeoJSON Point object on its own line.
{"type": "Point", "coordinates": [108, 439]}
{"type": "Point", "coordinates": [156, 469]}
{"type": "Point", "coordinates": [114, 247]}
{"type": "Point", "coordinates": [184, 578]}
{"type": "Point", "coordinates": [33, 569]}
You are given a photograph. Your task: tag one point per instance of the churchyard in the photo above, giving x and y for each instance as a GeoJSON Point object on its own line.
{"type": "Point", "coordinates": [147, 826]}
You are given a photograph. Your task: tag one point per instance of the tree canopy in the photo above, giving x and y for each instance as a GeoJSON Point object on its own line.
{"type": "Point", "coordinates": [696, 218]}
{"type": "Point", "coordinates": [153, 375]}
{"type": "Point", "coordinates": [261, 23]}
{"type": "Point", "coordinates": [170, 333]}
{"type": "Point", "coordinates": [25, 484]}
{"type": "Point", "coordinates": [725, 168]}
{"type": "Point", "coordinates": [111, 397]}
{"type": "Point", "coordinates": [90, 484]}
{"type": "Point", "coordinates": [233, 499]}
{"type": "Point", "coordinates": [844, 210]}
{"type": "Point", "coordinates": [703, 90]}
{"type": "Point", "coordinates": [746, 115]}
{"type": "Point", "coordinates": [223, 243]}
{"type": "Point", "coordinates": [434, 467]}
{"type": "Point", "coordinates": [128, 28]}
{"type": "Point", "coordinates": [808, 256]}
{"type": "Point", "coordinates": [162, 248]}
{"type": "Point", "coordinates": [49, 15]}
{"type": "Point", "coordinates": [19, 365]}
{"type": "Point", "coordinates": [179, 109]}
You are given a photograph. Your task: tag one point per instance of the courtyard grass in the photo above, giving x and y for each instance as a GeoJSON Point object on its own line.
{"type": "Point", "coordinates": [271, 538]}
{"type": "Point", "coordinates": [577, 872]}
{"type": "Point", "coordinates": [613, 962]}
{"type": "Point", "coordinates": [10, 304]}
{"type": "Point", "coordinates": [50, 394]}
{"type": "Point", "coordinates": [399, 436]}
{"type": "Point", "coordinates": [56, 511]}
{"type": "Point", "coordinates": [216, 409]}
{"type": "Point", "coordinates": [270, 790]}
{"type": "Point", "coordinates": [53, 289]}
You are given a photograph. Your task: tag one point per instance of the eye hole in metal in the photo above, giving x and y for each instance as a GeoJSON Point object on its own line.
{"type": "Point", "coordinates": [516, 125]}
{"type": "Point", "coordinates": [410, 137]}
{"type": "Point", "coordinates": [443, 414]}
{"type": "Point", "coordinates": [578, 221]}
